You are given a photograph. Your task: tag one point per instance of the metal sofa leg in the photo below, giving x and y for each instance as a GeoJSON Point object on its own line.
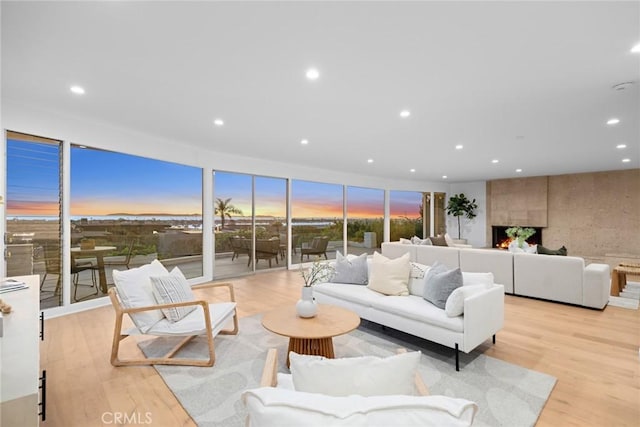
{"type": "Point", "coordinates": [457, 358]}
{"type": "Point", "coordinates": [494, 338]}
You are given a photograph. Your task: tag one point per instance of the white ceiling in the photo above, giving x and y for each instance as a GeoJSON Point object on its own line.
{"type": "Point", "coordinates": [528, 83]}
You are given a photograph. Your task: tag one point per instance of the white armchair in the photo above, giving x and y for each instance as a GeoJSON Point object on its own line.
{"type": "Point", "coordinates": [278, 402]}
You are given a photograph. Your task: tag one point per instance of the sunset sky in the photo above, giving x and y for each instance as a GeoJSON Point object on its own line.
{"type": "Point", "coordinates": [104, 183]}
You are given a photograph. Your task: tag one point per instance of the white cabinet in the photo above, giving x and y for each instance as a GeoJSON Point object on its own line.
{"type": "Point", "coordinates": [20, 356]}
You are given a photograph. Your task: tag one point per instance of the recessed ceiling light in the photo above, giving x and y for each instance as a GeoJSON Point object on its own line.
{"type": "Point", "coordinates": [621, 146]}
{"type": "Point", "coordinates": [613, 121]}
{"type": "Point", "coordinates": [369, 160]}
{"type": "Point", "coordinates": [312, 74]}
{"type": "Point", "coordinates": [405, 113]}
{"type": "Point", "coordinates": [626, 160]}
{"type": "Point", "coordinates": [78, 90]}
{"type": "Point", "coordinates": [444, 176]}
{"type": "Point", "coordinates": [495, 161]}
{"type": "Point", "coordinates": [518, 170]}
{"type": "Point", "coordinates": [636, 48]}
{"type": "Point", "coordinates": [218, 122]}
{"type": "Point", "coordinates": [304, 141]}
{"type": "Point", "coordinates": [459, 147]}
{"type": "Point", "coordinates": [412, 170]}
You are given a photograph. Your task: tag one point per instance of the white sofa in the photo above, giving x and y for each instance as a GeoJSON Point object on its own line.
{"type": "Point", "coordinates": [483, 313]}
{"type": "Point", "coordinates": [556, 278]}
{"type": "Point", "coordinates": [562, 278]}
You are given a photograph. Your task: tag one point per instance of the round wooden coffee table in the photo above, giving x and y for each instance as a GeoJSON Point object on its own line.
{"type": "Point", "coordinates": [312, 336]}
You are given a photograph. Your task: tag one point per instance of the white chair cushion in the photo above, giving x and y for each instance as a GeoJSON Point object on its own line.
{"type": "Point", "coordinates": [134, 290]}
{"type": "Point", "coordinates": [277, 407]}
{"type": "Point", "coordinates": [365, 376]}
{"type": "Point", "coordinates": [390, 276]}
{"type": "Point", "coordinates": [193, 323]}
{"type": "Point", "coordinates": [455, 303]}
{"type": "Point", "coordinates": [170, 289]}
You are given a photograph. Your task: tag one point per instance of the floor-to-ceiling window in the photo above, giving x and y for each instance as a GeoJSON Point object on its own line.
{"type": "Point", "coordinates": [365, 219]}
{"type": "Point", "coordinates": [33, 213]}
{"type": "Point", "coordinates": [233, 210]}
{"type": "Point", "coordinates": [270, 199]}
{"type": "Point", "coordinates": [406, 214]}
{"type": "Point", "coordinates": [426, 214]}
{"type": "Point", "coordinates": [250, 223]}
{"type": "Point", "coordinates": [127, 210]}
{"type": "Point", "coordinates": [317, 220]}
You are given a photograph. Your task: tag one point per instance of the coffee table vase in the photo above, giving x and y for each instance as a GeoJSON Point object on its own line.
{"type": "Point", "coordinates": [306, 306]}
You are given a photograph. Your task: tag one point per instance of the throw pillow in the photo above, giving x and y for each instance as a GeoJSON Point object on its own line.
{"type": "Point", "coordinates": [449, 240]}
{"type": "Point", "coordinates": [426, 242]}
{"type": "Point", "coordinates": [365, 376]}
{"type": "Point", "coordinates": [477, 279]}
{"type": "Point", "coordinates": [134, 290]}
{"type": "Point", "coordinates": [405, 241]}
{"type": "Point", "coordinates": [440, 284]}
{"type": "Point", "coordinates": [438, 241]}
{"type": "Point", "coordinates": [546, 251]}
{"type": "Point", "coordinates": [172, 289]}
{"type": "Point", "coordinates": [390, 276]}
{"type": "Point", "coordinates": [455, 303]}
{"type": "Point", "coordinates": [416, 240]}
{"type": "Point", "coordinates": [417, 279]}
{"type": "Point", "coordinates": [351, 270]}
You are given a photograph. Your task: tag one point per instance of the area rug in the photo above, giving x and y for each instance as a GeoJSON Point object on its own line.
{"type": "Point", "coordinates": [507, 395]}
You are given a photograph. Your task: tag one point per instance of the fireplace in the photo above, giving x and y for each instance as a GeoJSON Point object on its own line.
{"type": "Point", "coordinates": [501, 240]}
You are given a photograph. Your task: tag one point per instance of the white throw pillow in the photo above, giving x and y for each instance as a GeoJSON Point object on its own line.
{"type": "Point", "coordinates": [455, 303]}
{"type": "Point", "coordinates": [405, 241]}
{"type": "Point", "coordinates": [417, 279]}
{"type": "Point", "coordinates": [277, 407]}
{"type": "Point", "coordinates": [134, 290]}
{"type": "Point", "coordinates": [477, 279]}
{"type": "Point", "coordinates": [365, 376]}
{"type": "Point", "coordinates": [449, 240]}
{"type": "Point", "coordinates": [172, 289]}
{"type": "Point", "coordinates": [390, 276]}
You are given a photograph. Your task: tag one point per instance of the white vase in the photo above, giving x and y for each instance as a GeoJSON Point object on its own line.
{"type": "Point", "coordinates": [306, 306]}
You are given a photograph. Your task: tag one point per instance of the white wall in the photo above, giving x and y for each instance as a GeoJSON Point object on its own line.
{"type": "Point", "coordinates": [473, 230]}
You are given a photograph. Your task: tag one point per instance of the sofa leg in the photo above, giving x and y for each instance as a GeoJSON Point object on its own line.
{"type": "Point", "coordinates": [457, 358]}
{"type": "Point", "coordinates": [494, 338]}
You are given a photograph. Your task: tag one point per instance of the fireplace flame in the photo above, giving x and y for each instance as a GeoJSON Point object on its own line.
{"type": "Point", "coordinates": [504, 244]}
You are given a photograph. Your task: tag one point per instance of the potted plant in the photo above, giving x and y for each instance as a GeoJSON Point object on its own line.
{"type": "Point", "coordinates": [520, 234]}
{"type": "Point", "coordinates": [458, 205]}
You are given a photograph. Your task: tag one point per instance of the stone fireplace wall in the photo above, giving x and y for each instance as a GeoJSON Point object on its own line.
{"type": "Point", "coordinates": [595, 215]}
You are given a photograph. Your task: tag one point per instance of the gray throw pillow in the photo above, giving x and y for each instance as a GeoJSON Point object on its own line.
{"type": "Point", "coordinates": [352, 271]}
{"type": "Point", "coordinates": [440, 284]}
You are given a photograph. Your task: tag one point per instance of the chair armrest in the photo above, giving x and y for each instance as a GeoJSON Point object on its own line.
{"type": "Point", "coordinates": [270, 370]}
{"type": "Point", "coordinates": [483, 316]}
{"type": "Point", "coordinates": [204, 305]}
{"type": "Point", "coordinates": [421, 387]}
{"type": "Point", "coordinates": [229, 285]}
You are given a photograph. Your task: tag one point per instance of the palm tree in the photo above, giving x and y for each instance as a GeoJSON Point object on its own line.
{"type": "Point", "coordinates": [224, 208]}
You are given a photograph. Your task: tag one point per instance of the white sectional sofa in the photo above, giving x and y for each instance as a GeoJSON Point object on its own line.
{"type": "Point", "coordinates": [483, 313]}
{"type": "Point", "coordinates": [556, 278]}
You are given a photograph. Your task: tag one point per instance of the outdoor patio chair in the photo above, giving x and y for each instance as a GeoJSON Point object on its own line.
{"type": "Point", "coordinates": [318, 246]}
{"type": "Point", "coordinates": [268, 249]}
{"type": "Point", "coordinates": [240, 246]}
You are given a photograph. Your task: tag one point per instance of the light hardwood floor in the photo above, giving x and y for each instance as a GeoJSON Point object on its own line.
{"type": "Point", "coordinates": [594, 354]}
